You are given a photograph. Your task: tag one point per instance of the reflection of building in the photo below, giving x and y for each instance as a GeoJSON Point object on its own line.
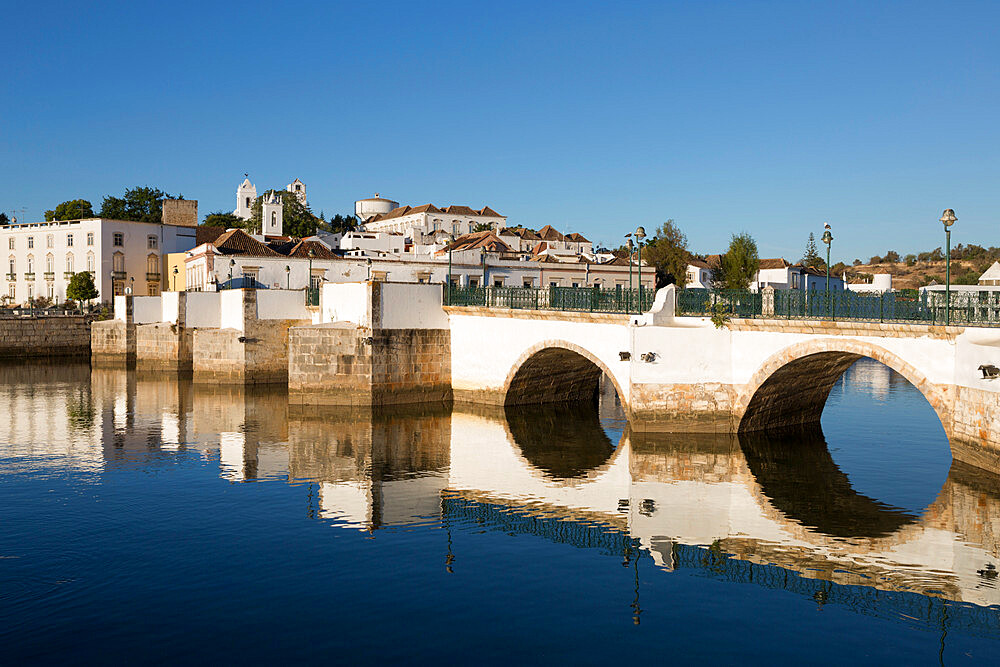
{"type": "Point", "coordinates": [546, 473]}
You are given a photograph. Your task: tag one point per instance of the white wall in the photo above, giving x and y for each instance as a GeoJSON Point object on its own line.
{"type": "Point", "coordinates": [146, 309]}
{"type": "Point", "coordinates": [204, 309]}
{"type": "Point", "coordinates": [231, 309]}
{"type": "Point", "coordinates": [170, 303]}
{"type": "Point", "coordinates": [412, 306]}
{"type": "Point", "coordinates": [282, 305]}
{"type": "Point", "coordinates": [346, 302]}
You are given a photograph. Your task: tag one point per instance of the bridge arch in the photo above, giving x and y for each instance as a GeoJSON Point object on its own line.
{"type": "Point", "coordinates": [789, 390]}
{"type": "Point", "coordinates": [556, 371]}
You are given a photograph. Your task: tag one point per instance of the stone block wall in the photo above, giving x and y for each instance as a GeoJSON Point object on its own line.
{"type": "Point", "coordinates": [163, 346]}
{"type": "Point", "coordinates": [44, 337]}
{"type": "Point", "coordinates": [346, 364]}
{"type": "Point", "coordinates": [975, 431]}
{"type": "Point", "coordinates": [112, 342]}
{"type": "Point", "coordinates": [705, 407]}
{"type": "Point", "coordinates": [411, 366]}
{"type": "Point", "coordinates": [257, 356]}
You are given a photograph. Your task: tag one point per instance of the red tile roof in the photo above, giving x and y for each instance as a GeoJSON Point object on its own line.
{"type": "Point", "coordinates": [576, 238]}
{"type": "Point", "coordinates": [488, 241]}
{"type": "Point", "coordinates": [454, 209]}
{"type": "Point", "coordinates": [550, 233]}
{"type": "Point", "coordinates": [238, 242]}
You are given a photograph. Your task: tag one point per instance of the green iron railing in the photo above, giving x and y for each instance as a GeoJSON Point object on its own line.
{"type": "Point", "coordinates": [583, 299]}
{"type": "Point", "coordinates": [312, 296]}
{"type": "Point", "coordinates": [978, 308]}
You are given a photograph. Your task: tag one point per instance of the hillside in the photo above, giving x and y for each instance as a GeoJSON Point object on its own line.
{"type": "Point", "coordinates": [918, 274]}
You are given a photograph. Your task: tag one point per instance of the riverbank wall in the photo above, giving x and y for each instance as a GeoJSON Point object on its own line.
{"type": "Point", "coordinates": [42, 337]}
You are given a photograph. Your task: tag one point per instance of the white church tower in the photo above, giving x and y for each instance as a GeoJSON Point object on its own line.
{"type": "Point", "coordinates": [299, 189]}
{"type": "Point", "coordinates": [270, 219]}
{"type": "Point", "coordinates": [246, 195]}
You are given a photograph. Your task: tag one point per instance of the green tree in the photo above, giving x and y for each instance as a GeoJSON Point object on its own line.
{"type": "Point", "coordinates": [81, 287]}
{"type": "Point", "coordinates": [4, 220]}
{"type": "Point", "coordinates": [74, 209]}
{"type": "Point", "coordinates": [296, 218]}
{"type": "Point", "coordinates": [140, 204]}
{"type": "Point", "coordinates": [668, 252]}
{"type": "Point", "coordinates": [224, 220]}
{"type": "Point", "coordinates": [740, 263]}
{"type": "Point", "coordinates": [891, 257]}
{"type": "Point", "coordinates": [811, 257]}
{"type": "Point", "coordinates": [342, 223]}
{"type": "Point", "coordinates": [910, 259]}
{"type": "Point", "coordinates": [482, 227]}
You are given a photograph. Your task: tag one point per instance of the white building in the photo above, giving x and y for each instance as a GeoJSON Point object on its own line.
{"type": "Point", "coordinates": [43, 256]}
{"type": "Point", "coordinates": [246, 195]}
{"type": "Point", "coordinates": [417, 222]}
{"type": "Point", "coordinates": [298, 188]}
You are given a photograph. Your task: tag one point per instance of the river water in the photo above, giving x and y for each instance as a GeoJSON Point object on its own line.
{"type": "Point", "coordinates": [145, 518]}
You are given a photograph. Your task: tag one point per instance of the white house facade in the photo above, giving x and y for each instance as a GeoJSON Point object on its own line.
{"type": "Point", "coordinates": [121, 255]}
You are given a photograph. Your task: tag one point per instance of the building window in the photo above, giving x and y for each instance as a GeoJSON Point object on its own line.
{"type": "Point", "coordinates": [13, 266]}
{"type": "Point", "coordinates": [119, 287]}
{"type": "Point", "coordinates": [90, 262]}
{"type": "Point", "coordinates": [554, 283]}
{"type": "Point", "coordinates": [50, 241]}
{"type": "Point", "coordinates": [50, 264]}
{"type": "Point", "coordinates": [119, 239]}
{"type": "Point", "coordinates": [10, 242]}
{"type": "Point", "coordinates": [248, 202]}
{"type": "Point", "coordinates": [90, 238]}
{"type": "Point", "coordinates": [69, 263]}
{"type": "Point", "coordinates": [118, 262]}
{"type": "Point", "coordinates": [249, 277]}
{"type": "Point", "coordinates": [11, 291]}
{"type": "Point", "coordinates": [51, 290]}
{"type": "Point", "coordinates": [31, 264]}
{"type": "Point", "coordinates": [152, 289]}
{"type": "Point", "coordinates": [274, 218]}
{"type": "Point", "coordinates": [31, 241]}
{"type": "Point", "coordinates": [31, 291]}
{"type": "Point", "coordinates": [69, 240]}
{"type": "Point", "coordinates": [526, 282]}
{"type": "Point", "coordinates": [151, 242]}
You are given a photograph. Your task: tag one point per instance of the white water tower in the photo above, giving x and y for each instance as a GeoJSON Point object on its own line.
{"type": "Point", "coordinates": [365, 209]}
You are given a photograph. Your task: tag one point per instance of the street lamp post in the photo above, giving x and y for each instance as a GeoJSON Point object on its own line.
{"type": "Point", "coordinates": [288, 277]}
{"type": "Point", "coordinates": [175, 278]}
{"type": "Point", "coordinates": [232, 263]}
{"type": "Point", "coordinates": [450, 244]}
{"type": "Point", "coordinates": [827, 239]}
{"type": "Point", "coordinates": [640, 234]}
{"type": "Point", "coordinates": [947, 219]}
{"type": "Point", "coordinates": [628, 245]}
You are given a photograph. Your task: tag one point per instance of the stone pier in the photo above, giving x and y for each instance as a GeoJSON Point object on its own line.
{"type": "Point", "coordinates": [380, 344]}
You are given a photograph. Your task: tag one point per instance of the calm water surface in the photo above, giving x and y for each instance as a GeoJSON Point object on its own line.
{"type": "Point", "coordinates": [149, 519]}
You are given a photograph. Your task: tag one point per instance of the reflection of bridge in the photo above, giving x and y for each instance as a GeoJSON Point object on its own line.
{"type": "Point", "coordinates": [711, 501]}
{"type": "Point", "coordinates": [661, 492]}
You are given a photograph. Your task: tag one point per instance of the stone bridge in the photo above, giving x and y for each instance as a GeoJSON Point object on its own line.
{"type": "Point", "coordinates": [383, 343]}
{"type": "Point", "coordinates": [682, 374]}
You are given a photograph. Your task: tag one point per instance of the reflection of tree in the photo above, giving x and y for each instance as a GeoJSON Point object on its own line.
{"type": "Point", "coordinates": [80, 410]}
{"type": "Point", "coordinates": [564, 440]}
{"type": "Point", "coordinates": [797, 473]}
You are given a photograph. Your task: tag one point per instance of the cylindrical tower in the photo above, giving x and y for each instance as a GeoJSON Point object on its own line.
{"type": "Point", "coordinates": [366, 209]}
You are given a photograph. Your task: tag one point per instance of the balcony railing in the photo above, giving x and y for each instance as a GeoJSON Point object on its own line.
{"type": "Point", "coordinates": [29, 276]}
{"type": "Point", "coordinates": [50, 275]}
{"type": "Point", "coordinates": [152, 277]}
{"type": "Point", "coordinates": [11, 276]}
{"type": "Point", "coordinates": [312, 297]}
{"type": "Point", "coordinates": [68, 275]}
{"type": "Point", "coordinates": [118, 275]}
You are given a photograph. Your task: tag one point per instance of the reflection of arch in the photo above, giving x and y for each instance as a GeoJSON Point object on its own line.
{"type": "Point", "coordinates": [555, 371]}
{"type": "Point", "coordinates": [790, 389]}
{"type": "Point", "coordinates": [797, 474]}
{"type": "Point", "coordinates": [564, 441]}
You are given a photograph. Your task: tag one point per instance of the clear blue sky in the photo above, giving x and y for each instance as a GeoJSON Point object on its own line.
{"type": "Point", "coordinates": [593, 117]}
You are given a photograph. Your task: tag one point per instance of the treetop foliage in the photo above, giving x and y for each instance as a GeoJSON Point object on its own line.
{"type": "Point", "coordinates": [740, 263]}
{"type": "Point", "coordinates": [139, 204]}
{"type": "Point", "coordinates": [667, 250]}
{"type": "Point", "coordinates": [74, 209]}
{"type": "Point", "coordinates": [81, 287]}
